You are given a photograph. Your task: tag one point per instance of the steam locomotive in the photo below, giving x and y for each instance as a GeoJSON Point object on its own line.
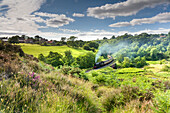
{"type": "Point", "coordinates": [103, 63]}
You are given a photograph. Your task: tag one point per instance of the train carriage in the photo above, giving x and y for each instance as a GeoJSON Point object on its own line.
{"type": "Point", "coordinates": [103, 63]}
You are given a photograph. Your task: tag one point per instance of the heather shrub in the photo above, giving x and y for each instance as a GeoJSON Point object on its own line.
{"type": "Point", "coordinates": [17, 95]}
{"type": "Point", "coordinates": [167, 85]}
{"type": "Point", "coordinates": [111, 99]}
{"type": "Point", "coordinates": [34, 66]}
{"type": "Point", "coordinates": [130, 93]}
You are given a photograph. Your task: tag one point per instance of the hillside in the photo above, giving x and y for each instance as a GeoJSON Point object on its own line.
{"type": "Point", "coordinates": [28, 85]}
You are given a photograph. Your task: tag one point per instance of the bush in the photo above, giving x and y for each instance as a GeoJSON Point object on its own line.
{"type": "Point", "coordinates": [165, 68]}
{"type": "Point", "coordinates": [65, 69]}
{"type": "Point", "coordinates": [86, 47]}
{"type": "Point", "coordinates": [130, 93]}
{"type": "Point", "coordinates": [100, 79]}
{"type": "Point", "coordinates": [41, 57]}
{"type": "Point", "coordinates": [75, 71]}
{"type": "Point", "coordinates": [94, 74]}
{"type": "Point", "coordinates": [162, 61]}
{"type": "Point", "coordinates": [34, 66]}
{"type": "Point", "coordinates": [162, 102]}
{"type": "Point", "coordinates": [19, 95]}
{"type": "Point", "coordinates": [112, 99]}
{"type": "Point", "coordinates": [83, 75]}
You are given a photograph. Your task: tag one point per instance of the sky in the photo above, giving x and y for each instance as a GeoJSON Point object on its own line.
{"type": "Point", "coordinates": [85, 19]}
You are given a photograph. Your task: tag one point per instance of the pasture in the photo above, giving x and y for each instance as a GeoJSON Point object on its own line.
{"type": "Point", "coordinates": [35, 49]}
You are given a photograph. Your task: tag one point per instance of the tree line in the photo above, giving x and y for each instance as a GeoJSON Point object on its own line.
{"type": "Point", "coordinates": [56, 59]}
{"type": "Point", "coordinates": [70, 42]}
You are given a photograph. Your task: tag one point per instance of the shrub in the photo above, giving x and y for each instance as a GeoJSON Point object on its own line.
{"type": "Point", "coordinates": [75, 71]}
{"type": "Point", "coordinates": [167, 85]}
{"type": "Point", "coordinates": [94, 74]}
{"type": "Point", "coordinates": [162, 61]}
{"type": "Point", "coordinates": [19, 95]}
{"type": "Point", "coordinates": [34, 66]}
{"type": "Point", "coordinates": [130, 93]}
{"type": "Point", "coordinates": [65, 69]}
{"type": "Point", "coordinates": [162, 102]}
{"type": "Point", "coordinates": [100, 79]}
{"type": "Point", "coordinates": [112, 99]}
{"type": "Point", "coordinates": [41, 57]}
{"type": "Point", "coordinates": [83, 75]}
{"type": "Point", "coordinates": [165, 68]}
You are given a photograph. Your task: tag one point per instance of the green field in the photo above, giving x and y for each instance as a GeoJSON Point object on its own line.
{"type": "Point", "coordinates": [35, 49]}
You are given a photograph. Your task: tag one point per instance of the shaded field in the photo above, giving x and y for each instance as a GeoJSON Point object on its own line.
{"type": "Point", "coordinates": [35, 49]}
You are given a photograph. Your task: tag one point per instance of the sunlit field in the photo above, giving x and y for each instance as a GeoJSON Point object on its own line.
{"type": "Point", "coordinates": [35, 49]}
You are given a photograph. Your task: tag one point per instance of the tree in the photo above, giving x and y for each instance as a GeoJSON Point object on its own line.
{"type": "Point", "coordinates": [141, 51]}
{"type": "Point", "coordinates": [126, 62]}
{"type": "Point", "coordinates": [86, 61]}
{"type": "Point", "coordinates": [143, 61]}
{"type": "Point", "coordinates": [86, 47]}
{"type": "Point", "coordinates": [37, 37]}
{"type": "Point", "coordinates": [154, 53]}
{"type": "Point", "coordinates": [63, 39]}
{"type": "Point", "coordinates": [120, 58]}
{"type": "Point", "coordinates": [104, 38]}
{"type": "Point", "coordinates": [41, 57]}
{"type": "Point", "coordinates": [93, 45]}
{"type": "Point", "coordinates": [54, 58]}
{"type": "Point", "coordinates": [14, 39]}
{"type": "Point", "coordinates": [113, 37]}
{"type": "Point", "coordinates": [72, 38]}
{"type": "Point", "coordinates": [23, 36]}
{"type": "Point", "coordinates": [68, 59]}
{"type": "Point", "coordinates": [169, 33]}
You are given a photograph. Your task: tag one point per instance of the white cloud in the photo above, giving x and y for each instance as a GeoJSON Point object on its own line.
{"type": "Point", "coordinates": [69, 30]}
{"type": "Point", "coordinates": [127, 8]}
{"type": "Point", "coordinates": [18, 16]}
{"type": "Point", "coordinates": [86, 35]}
{"type": "Point", "coordinates": [47, 14]}
{"type": "Point", "coordinates": [78, 15]}
{"type": "Point", "coordinates": [21, 8]}
{"type": "Point", "coordinates": [99, 34]}
{"type": "Point", "coordinates": [150, 31]}
{"type": "Point", "coordinates": [55, 20]}
{"type": "Point", "coordinates": [4, 33]}
{"type": "Point", "coordinates": [120, 24]}
{"type": "Point", "coordinates": [161, 18]}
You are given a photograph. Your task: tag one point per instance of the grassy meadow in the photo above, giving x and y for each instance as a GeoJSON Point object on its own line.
{"type": "Point", "coordinates": [35, 49]}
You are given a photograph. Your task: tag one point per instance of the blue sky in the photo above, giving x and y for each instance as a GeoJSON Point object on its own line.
{"type": "Point", "coordinates": [86, 19]}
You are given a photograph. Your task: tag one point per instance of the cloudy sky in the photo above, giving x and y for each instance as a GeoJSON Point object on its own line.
{"type": "Point", "coordinates": [86, 19]}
